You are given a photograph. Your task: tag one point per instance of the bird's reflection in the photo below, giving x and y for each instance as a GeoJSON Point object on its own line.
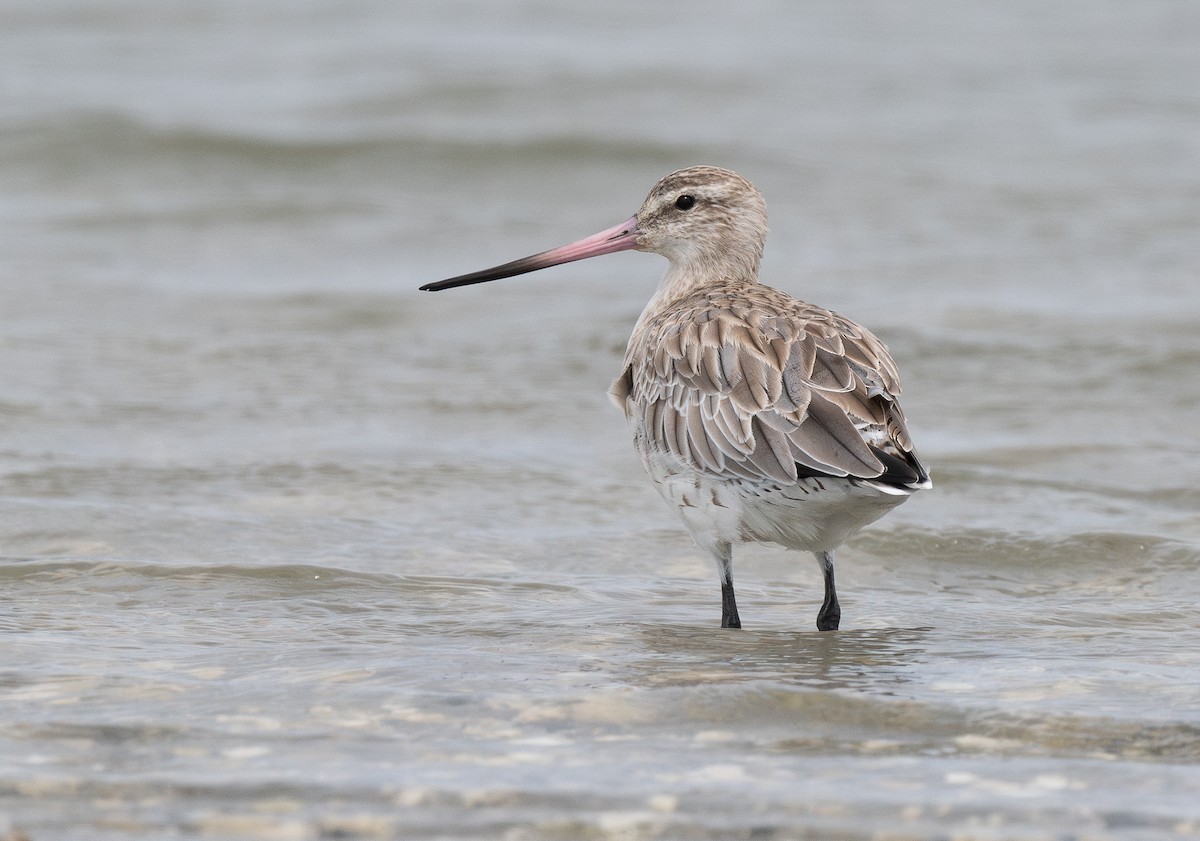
{"type": "Point", "coordinates": [877, 660]}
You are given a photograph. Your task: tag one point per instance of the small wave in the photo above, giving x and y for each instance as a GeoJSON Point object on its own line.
{"type": "Point", "coordinates": [81, 140]}
{"type": "Point", "coordinates": [98, 570]}
{"type": "Point", "coordinates": [1014, 553]}
{"type": "Point", "coordinates": [288, 576]}
{"type": "Point", "coordinates": [77, 143]}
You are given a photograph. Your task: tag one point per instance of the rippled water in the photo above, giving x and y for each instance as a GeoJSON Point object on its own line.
{"type": "Point", "coordinates": [290, 550]}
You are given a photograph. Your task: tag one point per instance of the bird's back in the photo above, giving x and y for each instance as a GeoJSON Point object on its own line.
{"type": "Point", "coordinates": [738, 380]}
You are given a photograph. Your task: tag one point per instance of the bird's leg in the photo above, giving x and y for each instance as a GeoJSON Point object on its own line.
{"type": "Point", "coordinates": [831, 611]}
{"type": "Point", "coordinates": [729, 614]}
{"type": "Point", "coordinates": [729, 611]}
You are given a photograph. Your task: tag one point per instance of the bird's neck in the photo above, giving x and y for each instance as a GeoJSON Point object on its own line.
{"type": "Point", "coordinates": [683, 280]}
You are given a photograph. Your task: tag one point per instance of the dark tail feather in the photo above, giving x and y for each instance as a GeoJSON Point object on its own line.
{"type": "Point", "coordinates": [906, 472]}
{"type": "Point", "coordinates": [902, 472]}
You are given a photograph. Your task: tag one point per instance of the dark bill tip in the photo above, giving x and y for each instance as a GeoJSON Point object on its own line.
{"type": "Point", "coordinates": [617, 238]}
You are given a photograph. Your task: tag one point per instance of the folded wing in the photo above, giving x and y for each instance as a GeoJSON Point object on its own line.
{"type": "Point", "coordinates": [761, 386]}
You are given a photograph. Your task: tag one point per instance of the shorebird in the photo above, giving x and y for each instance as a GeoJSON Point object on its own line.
{"type": "Point", "coordinates": [758, 417]}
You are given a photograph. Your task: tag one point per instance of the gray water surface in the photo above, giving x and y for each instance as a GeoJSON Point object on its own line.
{"type": "Point", "coordinates": [289, 550]}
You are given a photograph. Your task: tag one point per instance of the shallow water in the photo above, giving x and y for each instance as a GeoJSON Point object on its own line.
{"type": "Point", "coordinates": [293, 551]}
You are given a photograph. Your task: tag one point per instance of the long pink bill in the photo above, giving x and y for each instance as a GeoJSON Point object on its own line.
{"type": "Point", "coordinates": [617, 238]}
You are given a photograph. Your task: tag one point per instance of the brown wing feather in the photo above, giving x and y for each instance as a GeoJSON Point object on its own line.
{"type": "Point", "coordinates": [773, 390]}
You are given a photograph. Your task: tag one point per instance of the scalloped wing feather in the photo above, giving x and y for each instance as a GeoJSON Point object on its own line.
{"type": "Point", "coordinates": [746, 381]}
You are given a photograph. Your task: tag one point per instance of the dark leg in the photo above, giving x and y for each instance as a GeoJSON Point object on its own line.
{"type": "Point", "coordinates": [831, 611]}
{"type": "Point", "coordinates": [729, 614]}
{"type": "Point", "coordinates": [729, 611]}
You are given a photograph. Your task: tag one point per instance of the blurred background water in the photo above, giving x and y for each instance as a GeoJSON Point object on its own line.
{"type": "Point", "coordinates": [290, 550]}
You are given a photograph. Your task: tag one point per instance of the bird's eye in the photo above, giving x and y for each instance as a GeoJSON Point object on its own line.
{"type": "Point", "coordinates": [685, 202]}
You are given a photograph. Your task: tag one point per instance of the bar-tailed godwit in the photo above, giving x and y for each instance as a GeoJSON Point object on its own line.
{"type": "Point", "coordinates": [759, 417]}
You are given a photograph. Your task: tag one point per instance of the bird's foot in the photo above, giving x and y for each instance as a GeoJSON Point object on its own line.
{"type": "Point", "coordinates": [829, 617]}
